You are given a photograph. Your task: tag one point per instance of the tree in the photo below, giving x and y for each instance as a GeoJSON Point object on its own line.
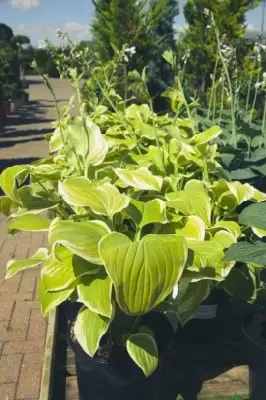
{"type": "Point", "coordinates": [6, 32]}
{"type": "Point", "coordinates": [117, 24]}
{"type": "Point", "coordinates": [162, 37]}
{"type": "Point", "coordinates": [201, 41]}
{"type": "Point", "coordinates": [147, 25]}
{"type": "Point", "coordinates": [20, 40]}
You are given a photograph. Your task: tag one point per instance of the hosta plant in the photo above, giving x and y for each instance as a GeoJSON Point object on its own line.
{"type": "Point", "coordinates": [250, 254]}
{"type": "Point", "coordinates": [138, 217]}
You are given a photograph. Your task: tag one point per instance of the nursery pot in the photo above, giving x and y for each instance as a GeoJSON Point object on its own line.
{"type": "Point", "coordinates": [208, 323]}
{"type": "Point", "coordinates": [255, 336]}
{"type": "Point", "coordinates": [112, 375]}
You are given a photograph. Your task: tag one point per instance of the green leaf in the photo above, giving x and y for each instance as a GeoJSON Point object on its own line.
{"type": "Point", "coordinates": [150, 267]}
{"type": "Point", "coordinates": [55, 142]}
{"type": "Point", "coordinates": [259, 232]}
{"type": "Point", "coordinates": [240, 284]}
{"type": "Point", "coordinates": [193, 200]}
{"type": "Point", "coordinates": [102, 198]}
{"type": "Point", "coordinates": [82, 238]}
{"type": "Point", "coordinates": [143, 350]}
{"type": "Point", "coordinates": [206, 136]}
{"type": "Point", "coordinates": [89, 328]}
{"type": "Point", "coordinates": [168, 55]}
{"type": "Point", "coordinates": [50, 300]}
{"type": "Point", "coordinates": [33, 202]}
{"type": "Point", "coordinates": [224, 238]}
{"type": "Point", "coordinates": [241, 192]}
{"type": "Point", "coordinates": [96, 293]}
{"type": "Point", "coordinates": [10, 176]}
{"type": "Point", "coordinates": [61, 271]}
{"type": "Point", "coordinates": [88, 142]}
{"type": "Point", "coordinates": [140, 178]}
{"type": "Point", "coordinates": [29, 222]}
{"type": "Point", "coordinates": [254, 216]}
{"type": "Point", "coordinates": [194, 228]}
{"type": "Point", "coordinates": [230, 226]}
{"type": "Point", "coordinates": [189, 298]}
{"type": "Point", "coordinates": [6, 205]}
{"type": "Point", "coordinates": [212, 253]}
{"type": "Point", "coordinates": [242, 174]}
{"type": "Point", "coordinates": [151, 212]}
{"type": "Point", "coordinates": [247, 253]}
{"type": "Point", "coordinates": [46, 171]}
{"type": "Point", "coordinates": [15, 266]}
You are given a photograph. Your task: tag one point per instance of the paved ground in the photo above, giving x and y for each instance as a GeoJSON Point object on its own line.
{"type": "Point", "coordinates": [22, 328]}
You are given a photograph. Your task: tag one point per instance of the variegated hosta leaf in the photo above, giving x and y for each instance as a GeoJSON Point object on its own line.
{"type": "Point", "coordinates": [129, 142]}
{"type": "Point", "coordinates": [15, 266]}
{"type": "Point", "coordinates": [89, 328]}
{"type": "Point", "coordinates": [55, 142]}
{"type": "Point", "coordinates": [29, 222]}
{"type": "Point", "coordinates": [194, 228]}
{"type": "Point", "coordinates": [151, 212]}
{"type": "Point", "coordinates": [193, 200]}
{"type": "Point", "coordinates": [212, 253]}
{"type": "Point", "coordinates": [88, 142]}
{"type": "Point", "coordinates": [50, 300]}
{"type": "Point", "coordinates": [46, 171]}
{"type": "Point", "coordinates": [95, 292]}
{"type": "Point", "coordinates": [259, 232]}
{"type": "Point", "coordinates": [63, 270]}
{"type": "Point", "coordinates": [142, 349]}
{"type": "Point", "coordinates": [140, 178]}
{"type": "Point", "coordinates": [150, 267]}
{"type": "Point", "coordinates": [138, 112]}
{"type": "Point", "coordinates": [206, 136]}
{"type": "Point", "coordinates": [10, 176]}
{"type": "Point", "coordinates": [82, 238]}
{"type": "Point", "coordinates": [6, 205]}
{"type": "Point", "coordinates": [230, 226]}
{"type": "Point", "coordinates": [224, 238]}
{"type": "Point", "coordinates": [241, 192]}
{"type": "Point", "coordinates": [102, 197]}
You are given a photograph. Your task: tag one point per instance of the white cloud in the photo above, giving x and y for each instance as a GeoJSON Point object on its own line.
{"type": "Point", "coordinates": [25, 4]}
{"type": "Point", "coordinates": [75, 30]}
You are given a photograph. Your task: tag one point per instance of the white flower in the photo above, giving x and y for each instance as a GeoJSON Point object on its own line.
{"type": "Point", "coordinates": [208, 26]}
{"type": "Point", "coordinates": [43, 44]}
{"type": "Point", "coordinates": [264, 75]}
{"type": "Point", "coordinates": [59, 33]}
{"type": "Point", "coordinates": [206, 11]}
{"type": "Point", "coordinates": [130, 50]}
{"type": "Point", "coordinates": [258, 85]}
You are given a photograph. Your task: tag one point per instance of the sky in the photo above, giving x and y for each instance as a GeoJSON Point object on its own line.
{"type": "Point", "coordinates": [41, 18]}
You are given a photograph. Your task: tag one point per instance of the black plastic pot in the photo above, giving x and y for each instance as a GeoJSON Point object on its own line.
{"type": "Point", "coordinates": [255, 336]}
{"type": "Point", "coordinates": [118, 377]}
{"type": "Point", "coordinates": [209, 323]}
{"type": "Point", "coordinates": [70, 310]}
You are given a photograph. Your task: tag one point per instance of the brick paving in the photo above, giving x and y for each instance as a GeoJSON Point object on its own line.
{"type": "Point", "coordinates": [22, 327]}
